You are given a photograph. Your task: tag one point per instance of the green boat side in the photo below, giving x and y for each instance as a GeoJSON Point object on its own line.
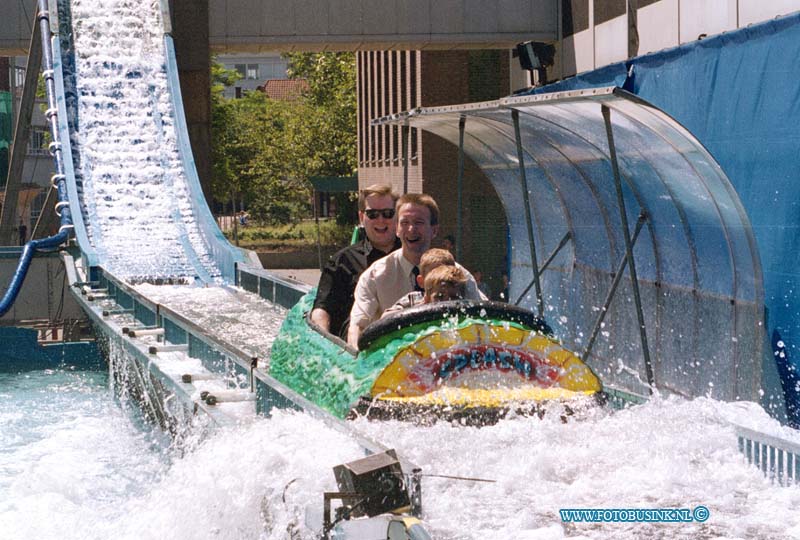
{"type": "Point", "coordinates": [316, 366]}
{"type": "Point", "coordinates": [332, 375]}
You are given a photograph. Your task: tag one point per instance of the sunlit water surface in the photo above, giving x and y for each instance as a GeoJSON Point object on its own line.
{"type": "Point", "coordinates": [68, 453]}
{"type": "Point", "coordinates": [242, 319]}
{"type": "Point", "coordinates": [666, 454]}
{"type": "Point", "coordinates": [75, 464]}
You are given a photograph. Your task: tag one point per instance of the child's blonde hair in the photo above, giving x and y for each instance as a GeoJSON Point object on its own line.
{"type": "Point", "coordinates": [435, 257]}
{"type": "Point", "coordinates": [445, 283]}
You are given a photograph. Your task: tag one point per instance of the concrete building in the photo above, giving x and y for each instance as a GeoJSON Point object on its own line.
{"type": "Point", "coordinates": [254, 69]}
{"type": "Point", "coordinates": [595, 33]}
{"type": "Point", "coordinates": [429, 52]}
{"type": "Point", "coordinates": [394, 81]}
{"type": "Point", "coordinates": [38, 165]}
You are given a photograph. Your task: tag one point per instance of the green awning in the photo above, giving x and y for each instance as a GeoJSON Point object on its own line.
{"type": "Point", "coordinates": [334, 184]}
{"type": "Point", "coordinates": [6, 129]}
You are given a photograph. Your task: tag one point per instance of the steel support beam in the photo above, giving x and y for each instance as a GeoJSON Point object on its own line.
{"type": "Point", "coordinates": [47, 217]}
{"type": "Point", "coordinates": [612, 291]}
{"type": "Point", "coordinates": [405, 131]}
{"type": "Point", "coordinates": [566, 238]}
{"type": "Point", "coordinates": [460, 186]}
{"type": "Point", "coordinates": [628, 246]}
{"type": "Point", "coordinates": [528, 215]}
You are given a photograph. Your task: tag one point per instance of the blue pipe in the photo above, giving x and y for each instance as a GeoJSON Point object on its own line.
{"type": "Point", "coordinates": [23, 265]}
{"type": "Point", "coordinates": [59, 179]}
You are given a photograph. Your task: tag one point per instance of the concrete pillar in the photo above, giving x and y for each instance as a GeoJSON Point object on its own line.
{"type": "Point", "coordinates": [190, 32]}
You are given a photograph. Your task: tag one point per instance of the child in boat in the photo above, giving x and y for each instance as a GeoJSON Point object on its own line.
{"type": "Point", "coordinates": [445, 283]}
{"type": "Point", "coordinates": [431, 259]}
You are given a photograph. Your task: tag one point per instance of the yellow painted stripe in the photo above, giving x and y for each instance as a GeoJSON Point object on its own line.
{"type": "Point", "coordinates": [479, 397]}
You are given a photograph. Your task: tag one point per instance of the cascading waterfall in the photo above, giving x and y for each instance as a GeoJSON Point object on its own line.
{"type": "Point", "coordinates": [134, 189]}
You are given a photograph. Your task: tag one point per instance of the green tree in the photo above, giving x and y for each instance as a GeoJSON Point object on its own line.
{"type": "Point", "coordinates": [255, 162]}
{"type": "Point", "coordinates": [265, 150]}
{"type": "Point", "coordinates": [332, 94]}
{"type": "Point", "coordinates": [224, 182]}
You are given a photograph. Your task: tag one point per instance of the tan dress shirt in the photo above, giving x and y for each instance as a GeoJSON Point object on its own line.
{"type": "Point", "coordinates": [385, 282]}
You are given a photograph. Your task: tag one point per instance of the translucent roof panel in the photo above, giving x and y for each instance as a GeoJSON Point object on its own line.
{"type": "Point", "coordinates": [698, 270]}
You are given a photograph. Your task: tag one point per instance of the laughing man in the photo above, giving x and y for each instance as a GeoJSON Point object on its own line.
{"type": "Point", "coordinates": [394, 276]}
{"type": "Point", "coordinates": [376, 208]}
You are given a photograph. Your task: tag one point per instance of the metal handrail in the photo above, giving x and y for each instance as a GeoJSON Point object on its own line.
{"type": "Point", "coordinates": [778, 459]}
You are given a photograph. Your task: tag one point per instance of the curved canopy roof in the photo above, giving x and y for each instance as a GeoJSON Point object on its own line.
{"type": "Point", "coordinates": [695, 258]}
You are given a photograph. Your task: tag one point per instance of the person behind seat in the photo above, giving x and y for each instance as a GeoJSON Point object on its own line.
{"type": "Point", "coordinates": [482, 285]}
{"type": "Point", "coordinates": [449, 243]}
{"type": "Point", "coordinates": [376, 209]}
{"type": "Point", "coordinates": [388, 279]}
{"type": "Point", "coordinates": [431, 259]}
{"type": "Point", "coordinates": [445, 283]}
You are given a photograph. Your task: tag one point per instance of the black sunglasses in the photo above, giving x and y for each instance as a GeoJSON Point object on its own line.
{"type": "Point", "coordinates": [373, 213]}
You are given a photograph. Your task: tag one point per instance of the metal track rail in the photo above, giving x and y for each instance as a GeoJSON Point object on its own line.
{"type": "Point", "coordinates": [128, 317]}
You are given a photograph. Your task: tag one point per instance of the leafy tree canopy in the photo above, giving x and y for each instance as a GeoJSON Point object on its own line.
{"type": "Point", "coordinates": [265, 150]}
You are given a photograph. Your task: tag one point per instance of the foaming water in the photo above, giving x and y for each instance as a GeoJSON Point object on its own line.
{"type": "Point", "coordinates": [74, 464]}
{"type": "Point", "coordinates": [668, 453]}
{"type": "Point", "coordinates": [251, 482]}
{"type": "Point", "coordinates": [240, 318]}
{"type": "Point", "coordinates": [68, 453]}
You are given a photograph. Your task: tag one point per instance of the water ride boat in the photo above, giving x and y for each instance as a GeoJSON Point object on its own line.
{"type": "Point", "coordinates": [465, 360]}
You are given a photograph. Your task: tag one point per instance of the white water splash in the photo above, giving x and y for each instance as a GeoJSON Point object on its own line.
{"type": "Point", "coordinates": [240, 318]}
{"type": "Point", "coordinates": [259, 480]}
{"type": "Point", "coordinates": [665, 454]}
{"type": "Point", "coordinates": [135, 191]}
{"type": "Point", "coordinates": [90, 478]}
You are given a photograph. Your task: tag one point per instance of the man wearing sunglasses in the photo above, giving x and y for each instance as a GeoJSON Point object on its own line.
{"type": "Point", "coordinates": [340, 274]}
{"type": "Point", "coordinates": [394, 276]}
